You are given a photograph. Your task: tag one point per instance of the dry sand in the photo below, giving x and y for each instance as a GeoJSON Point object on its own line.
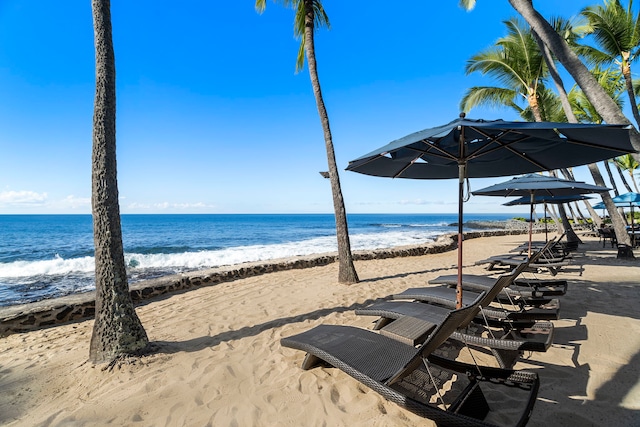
{"type": "Point", "coordinates": [219, 362]}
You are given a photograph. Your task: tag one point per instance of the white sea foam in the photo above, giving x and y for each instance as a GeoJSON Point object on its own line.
{"type": "Point", "coordinates": [52, 267]}
{"type": "Point", "coordinates": [59, 266]}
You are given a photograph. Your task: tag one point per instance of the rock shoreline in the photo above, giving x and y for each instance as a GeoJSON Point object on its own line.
{"type": "Point", "coordinates": [72, 308]}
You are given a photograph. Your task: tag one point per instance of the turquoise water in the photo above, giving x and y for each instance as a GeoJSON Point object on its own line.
{"type": "Point", "coordinates": [45, 256]}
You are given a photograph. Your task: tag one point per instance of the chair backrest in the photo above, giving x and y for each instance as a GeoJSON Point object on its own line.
{"type": "Point", "coordinates": [545, 250]}
{"type": "Point", "coordinates": [439, 335]}
{"type": "Point", "coordinates": [507, 279]}
{"type": "Point", "coordinates": [502, 282]}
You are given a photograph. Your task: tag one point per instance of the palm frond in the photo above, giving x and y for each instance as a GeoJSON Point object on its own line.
{"type": "Point", "coordinates": [615, 30]}
{"type": "Point", "coordinates": [487, 96]}
{"type": "Point", "coordinates": [468, 5]}
{"type": "Point", "coordinates": [320, 19]}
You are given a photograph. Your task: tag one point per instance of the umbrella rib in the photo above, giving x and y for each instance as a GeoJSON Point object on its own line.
{"type": "Point", "coordinates": [444, 154]}
{"type": "Point", "coordinates": [484, 150]}
{"type": "Point", "coordinates": [504, 145]}
{"type": "Point", "coordinates": [440, 153]}
{"type": "Point", "coordinates": [594, 145]}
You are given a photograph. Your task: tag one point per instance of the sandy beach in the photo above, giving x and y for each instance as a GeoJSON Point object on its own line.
{"type": "Point", "coordinates": [218, 360]}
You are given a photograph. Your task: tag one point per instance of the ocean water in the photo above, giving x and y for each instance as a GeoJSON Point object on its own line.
{"type": "Point", "coordinates": [47, 256]}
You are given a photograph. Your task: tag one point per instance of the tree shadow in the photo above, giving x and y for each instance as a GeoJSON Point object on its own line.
{"type": "Point", "coordinates": [411, 273]}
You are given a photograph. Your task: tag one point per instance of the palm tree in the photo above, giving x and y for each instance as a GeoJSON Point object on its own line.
{"type": "Point", "coordinates": [309, 14]}
{"type": "Point", "coordinates": [515, 61]}
{"type": "Point", "coordinates": [616, 31]}
{"type": "Point", "coordinates": [613, 84]}
{"type": "Point", "coordinates": [602, 103]}
{"type": "Point", "coordinates": [595, 93]}
{"type": "Point", "coordinates": [629, 164]}
{"type": "Point", "coordinates": [117, 331]}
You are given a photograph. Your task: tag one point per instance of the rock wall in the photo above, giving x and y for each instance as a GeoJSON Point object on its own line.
{"type": "Point", "coordinates": [27, 317]}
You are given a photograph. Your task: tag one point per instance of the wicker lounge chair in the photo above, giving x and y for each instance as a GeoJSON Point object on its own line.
{"type": "Point", "coordinates": [548, 257]}
{"type": "Point", "coordinates": [552, 264]}
{"type": "Point", "coordinates": [558, 248]}
{"type": "Point", "coordinates": [521, 314]}
{"type": "Point", "coordinates": [409, 322]}
{"type": "Point", "coordinates": [506, 343]}
{"type": "Point", "coordinates": [531, 290]}
{"type": "Point", "coordinates": [448, 392]}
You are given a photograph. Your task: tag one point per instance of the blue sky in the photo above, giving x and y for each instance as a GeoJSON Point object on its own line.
{"type": "Point", "coordinates": [211, 116]}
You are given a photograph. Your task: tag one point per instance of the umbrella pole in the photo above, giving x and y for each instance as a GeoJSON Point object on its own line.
{"type": "Point", "coordinates": [462, 164]}
{"type": "Point", "coordinates": [461, 173]}
{"type": "Point", "coordinates": [530, 223]}
{"type": "Point", "coordinates": [633, 231]}
{"type": "Point", "coordinates": [546, 231]}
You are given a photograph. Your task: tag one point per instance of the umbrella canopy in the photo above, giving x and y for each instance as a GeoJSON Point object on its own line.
{"type": "Point", "coordinates": [552, 200]}
{"type": "Point", "coordinates": [467, 148]}
{"type": "Point", "coordinates": [539, 185]}
{"type": "Point", "coordinates": [600, 205]}
{"type": "Point", "coordinates": [629, 200]}
{"type": "Point", "coordinates": [533, 185]}
{"type": "Point", "coordinates": [493, 148]}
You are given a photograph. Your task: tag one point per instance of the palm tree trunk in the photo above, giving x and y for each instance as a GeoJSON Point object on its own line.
{"type": "Point", "coordinates": [570, 233]}
{"type": "Point", "coordinates": [556, 220]}
{"type": "Point", "coordinates": [607, 167]}
{"type": "Point", "coordinates": [553, 72]}
{"type": "Point", "coordinates": [581, 216]}
{"type": "Point", "coordinates": [346, 270]}
{"type": "Point", "coordinates": [622, 178]}
{"type": "Point", "coordinates": [568, 172]}
{"type": "Point", "coordinates": [633, 180]}
{"type": "Point", "coordinates": [533, 103]}
{"type": "Point", "coordinates": [628, 79]}
{"type": "Point", "coordinates": [616, 219]}
{"type": "Point", "coordinates": [600, 100]}
{"type": "Point", "coordinates": [117, 329]}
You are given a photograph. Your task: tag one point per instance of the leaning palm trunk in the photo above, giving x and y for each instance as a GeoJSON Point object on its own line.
{"type": "Point", "coordinates": [346, 270]}
{"type": "Point", "coordinates": [616, 219]}
{"type": "Point", "coordinates": [625, 68]}
{"type": "Point", "coordinates": [566, 225]}
{"type": "Point", "coordinates": [598, 97]}
{"type": "Point", "coordinates": [622, 178]}
{"type": "Point", "coordinates": [526, 7]}
{"type": "Point", "coordinates": [578, 213]}
{"type": "Point", "coordinates": [567, 172]}
{"type": "Point", "coordinates": [607, 167]}
{"type": "Point", "coordinates": [554, 216]}
{"type": "Point", "coordinates": [117, 329]}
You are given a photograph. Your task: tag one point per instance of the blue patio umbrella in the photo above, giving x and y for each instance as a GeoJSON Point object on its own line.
{"type": "Point", "coordinates": [533, 185]}
{"type": "Point", "coordinates": [600, 205]}
{"type": "Point", "coordinates": [628, 200]}
{"type": "Point", "coordinates": [553, 200]}
{"type": "Point", "coordinates": [466, 148]}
